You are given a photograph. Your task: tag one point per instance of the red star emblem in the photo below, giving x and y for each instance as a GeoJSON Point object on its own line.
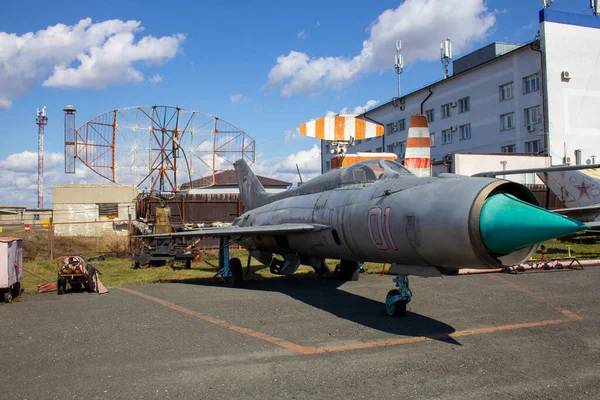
{"type": "Point", "coordinates": [583, 189]}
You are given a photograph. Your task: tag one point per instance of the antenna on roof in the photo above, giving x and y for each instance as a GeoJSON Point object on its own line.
{"type": "Point", "coordinates": [595, 6]}
{"type": "Point", "coordinates": [548, 3]}
{"type": "Point", "coordinates": [298, 169]}
{"type": "Point", "coordinates": [399, 62]}
{"type": "Point", "coordinates": [446, 55]}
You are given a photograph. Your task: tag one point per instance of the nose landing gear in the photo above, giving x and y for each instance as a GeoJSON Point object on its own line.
{"type": "Point", "coordinates": [397, 299]}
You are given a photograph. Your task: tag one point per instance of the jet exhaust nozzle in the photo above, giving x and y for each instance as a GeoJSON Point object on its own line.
{"type": "Point", "coordinates": [508, 224]}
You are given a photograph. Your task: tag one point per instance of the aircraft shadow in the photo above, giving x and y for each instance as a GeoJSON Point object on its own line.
{"type": "Point", "coordinates": [324, 293]}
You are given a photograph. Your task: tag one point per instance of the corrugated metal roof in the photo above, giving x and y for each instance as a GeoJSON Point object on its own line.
{"type": "Point", "coordinates": [229, 178]}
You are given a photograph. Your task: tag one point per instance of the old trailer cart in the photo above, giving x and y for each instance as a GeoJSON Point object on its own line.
{"type": "Point", "coordinates": [158, 251]}
{"type": "Point", "coordinates": [11, 269]}
{"type": "Point", "coordinates": [75, 272]}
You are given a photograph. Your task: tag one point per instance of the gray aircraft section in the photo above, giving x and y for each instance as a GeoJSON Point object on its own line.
{"type": "Point", "coordinates": [377, 211]}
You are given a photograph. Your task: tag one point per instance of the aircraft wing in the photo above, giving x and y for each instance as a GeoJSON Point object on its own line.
{"type": "Point", "coordinates": [493, 174]}
{"type": "Point", "coordinates": [233, 230]}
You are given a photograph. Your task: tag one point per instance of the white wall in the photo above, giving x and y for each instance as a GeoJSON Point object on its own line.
{"type": "Point", "coordinates": [481, 84]}
{"type": "Point", "coordinates": [572, 104]}
{"type": "Point", "coordinates": [470, 164]}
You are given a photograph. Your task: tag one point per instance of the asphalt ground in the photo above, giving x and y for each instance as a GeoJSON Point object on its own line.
{"type": "Point", "coordinates": [530, 335]}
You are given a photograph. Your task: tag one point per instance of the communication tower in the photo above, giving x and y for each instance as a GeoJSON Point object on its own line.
{"type": "Point", "coordinates": [446, 55]}
{"type": "Point", "coordinates": [548, 3]}
{"type": "Point", "coordinates": [156, 147]}
{"type": "Point", "coordinates": [399, 62]}
{"type": "Point", "coordinates": [41, 120]}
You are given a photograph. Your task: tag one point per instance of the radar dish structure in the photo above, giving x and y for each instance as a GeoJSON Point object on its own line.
{"type": "Point", "coordinates": [158, 147]}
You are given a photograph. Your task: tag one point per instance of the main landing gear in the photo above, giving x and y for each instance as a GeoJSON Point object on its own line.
{"type": "Point", "coordinates": [229, 269]}
{"type": "Point", "coordinates": [397, 299]}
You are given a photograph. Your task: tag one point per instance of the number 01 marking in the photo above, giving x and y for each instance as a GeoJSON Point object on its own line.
{"type": "Point", "coordinates": [378, 221]}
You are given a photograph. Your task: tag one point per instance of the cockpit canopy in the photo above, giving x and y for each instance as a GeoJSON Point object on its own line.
{"type": "Point", "coordinates": [372, 170]}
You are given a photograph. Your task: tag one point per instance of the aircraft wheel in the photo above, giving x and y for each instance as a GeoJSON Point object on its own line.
{"type": "Point", "coordinates": [396, 309]}
{"type": "Point", "coordinates": [8, 296]}
{"type": "Point", "coordinates": [236, 280]}
{"type": "Point", "coordinates": [16, 291]}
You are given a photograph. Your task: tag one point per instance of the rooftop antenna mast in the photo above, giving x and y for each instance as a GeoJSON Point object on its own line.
{"type": "Point", "coordinates": [399, 62]}
{"type": "Point", "coordinates": [41, 121]}
{"type": "Point", "coordinates": [548, 3]}
{"type": "Point", "coordinates": [595, 6]}
{"type": "Point", "coordinates": [446, 55]}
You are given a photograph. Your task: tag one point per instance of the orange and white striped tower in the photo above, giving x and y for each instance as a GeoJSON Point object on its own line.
{"type": "Point", "coordinates": [418, 147]}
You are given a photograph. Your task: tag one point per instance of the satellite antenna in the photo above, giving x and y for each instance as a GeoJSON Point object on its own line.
{"type": "Point", "coordinates": [548, 3]}
{"type": "Point", "coordinates": [399, 62]}
{"type": "Point", "coordinates": [446, 55]}
{"type": "Point", "coordinates": [595, 6]}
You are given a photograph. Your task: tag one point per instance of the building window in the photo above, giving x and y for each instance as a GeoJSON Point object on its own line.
{"type": "Point", "coordinates": [430, 114]}
{"type": "Point", "coordinates": [379, 150]}
{"type": "Point", "coordinates": [402, 149]}
{"type": "Point", "coordinates": [327, 148]}
{"type": "Point", "coordinates": [507, 121]}
{"type": "Point", "coordinates": [432, 139]}
{"type": "Point", "coordinates": [465, 131]}
{"type": "Point", "coordinates": [359, 141]}
{"type": "Point", "coordinates": [531, 83]}
{"type": "Point", "coordinates": [108, 210]}
{"type": "Point", "coordinates": [402, 124]}
{"type": "Point", "coordinates": [390, 148]}
{"type": "Point", "coordinates": [507, 91]}
{"type": "Point", "coordinates": [367, 151]}
{"type": "Point", "coordinates": [389, 129]}
{"type": "Point", "coordinates": [445, 110]}
{"type": "Point", "coordinates": [511, 148]}
{"type": "Point", "coordinates": [447, 136]}
{"type": "Point", "coordinates": [464, 105]}
{"type": "Point", "coordinates": [327, 165]}
{"type": "Point", "coordinates": [532, 115]}
{"type": "Point", "coordinates": [367, 140]}
{"type": "Point", "coordinates": [533, 146]}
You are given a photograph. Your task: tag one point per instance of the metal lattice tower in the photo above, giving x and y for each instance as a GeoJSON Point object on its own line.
{"type": "Point", "coordinates": [156, 147]}
{"type": "Point", "coordinates": [41, 120]}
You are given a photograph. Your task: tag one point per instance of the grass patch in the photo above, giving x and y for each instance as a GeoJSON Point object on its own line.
{"type": "Point", "coordinates": [117, 271]}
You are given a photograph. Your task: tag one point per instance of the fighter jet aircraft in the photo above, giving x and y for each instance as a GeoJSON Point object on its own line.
{"type": "Point", "coordinates": [379, 211]}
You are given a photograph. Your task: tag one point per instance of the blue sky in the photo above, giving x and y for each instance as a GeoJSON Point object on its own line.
{"type": "Point", "coordinates": [230, 48]}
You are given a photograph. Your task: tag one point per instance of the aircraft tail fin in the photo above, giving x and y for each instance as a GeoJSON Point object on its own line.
{"type": "Point", "coordinates": [579, 188]}
{"type": "Point", "coordinates": [418, 147]}
{"type": "Point", "coordinates": [252, 192]}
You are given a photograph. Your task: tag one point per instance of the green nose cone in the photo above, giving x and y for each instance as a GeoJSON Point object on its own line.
{"type": "Point", "coordinates": [508, 224]}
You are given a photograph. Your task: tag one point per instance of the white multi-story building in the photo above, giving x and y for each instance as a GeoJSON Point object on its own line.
{"type": "Point", "coordinates": [536, 98]}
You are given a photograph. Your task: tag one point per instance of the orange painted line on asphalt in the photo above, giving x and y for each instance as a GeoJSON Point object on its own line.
{"type": "Point", "coordinates": [352, 346]}
{"type": "Point", "coordinates": [219, 322]}
{"type": "Point", "coordinates": [570, 314]}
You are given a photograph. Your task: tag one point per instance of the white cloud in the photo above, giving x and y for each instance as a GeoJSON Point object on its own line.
{"type": "Point", "coordinates": [237, 98]}
{"type": "Point", "coordinates": [420, 24]}
{"type": "Point", "coordinates": [86, 54]}
{"type": "Point", "coordinates": [19, 177]}
{"type": "Point", "coordinates": [357, 110]}
{"type": "Point", "coordinates": [156, 78]}
{"type": "Point", "coordinates": [302, 35]}
{"type": "Point", "coordinates": [284, 168]}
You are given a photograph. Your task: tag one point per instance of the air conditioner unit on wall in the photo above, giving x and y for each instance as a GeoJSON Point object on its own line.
{"type": "Point", "coordinates": [402, 106]}
{"type": "Point", "coordinates": [530, 128]}
{"type": "Point", "coordinates": [453, 104]}
{"type": "Point", "coordinates": [565, 75]}
{"type": "Point", "coordinates": [395, 127]}
{"type": "Point", "coordinates": [453, 128]}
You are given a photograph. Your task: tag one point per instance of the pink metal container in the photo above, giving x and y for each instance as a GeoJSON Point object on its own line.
{"type": "Point", "coordinates": [11, 268]}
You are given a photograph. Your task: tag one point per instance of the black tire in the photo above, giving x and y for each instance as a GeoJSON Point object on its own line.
{"type": "Point", "coordinates": [349, 270]}
{"type": "Point", "coordinates": [16, 291]}
{"type": "Point", "coordinates": [62, 285]}
{"type": "Point", "coordinates": [135, 264]}
{"type": "Point", "coordinates": [8, 296]}
{"type": "Point", "coordinates": [188, 264]}
{"type": "Point", "coordinates": [236, 280]}
{"type": "Point", "coordinates": [91, 284]}
{"type": "Point", "coordinates": [397, 309]}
